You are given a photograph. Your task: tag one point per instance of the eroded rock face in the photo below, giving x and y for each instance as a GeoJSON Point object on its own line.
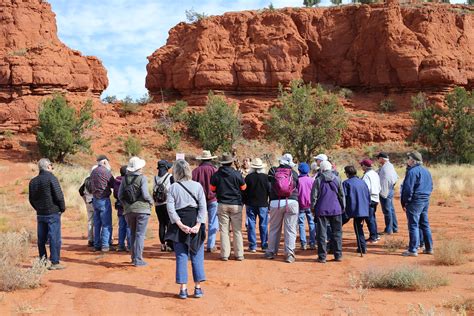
{"type": "Point", "coordinates": [376, 47]}
{"type": "Point", "coordinates": [34, 64]}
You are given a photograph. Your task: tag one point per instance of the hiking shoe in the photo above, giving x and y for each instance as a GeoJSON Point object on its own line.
{"type": "Point", "coordinates": [121, 249]}
{"type": "Point", "coordinates": [105, 249]}
{"type": "Point", "coordinates": [371, 241]}
{"type": "Point", "coordinates": [90, 244]}
{"type": "Point", "coordinates": [224, 258]}
{"type": "Point", "coordinates": [56, 266]}
{"type": "Point", "coordinates": [198, 292]}
{"type": "Point", "coordinates": [183, 294]}
{"type": "Point", "coordinates": [428, 252]}
{"type": "Point", "coordinates": [253, 250]}
{"type": "Point", "coordinates": [211, 250]}
{"type": "Point", "coordinates": [269, 255]}
{"type": "Point", "coordinates": [240, 258]}
{"type": "Point", "coordinates": [290, 259]}
{"type": "Point", "coordinates": [338, 259]}
{"type": "Point", "coordinates": [377, 238]}
{"type": "Point", "coordinates": [96, 249]}
{"type": "Point", "coordinates": [321, 260]}
{"type": "Point", "coordinates": [304, 247]}
{"type": "Point", "coordinates": [140, 264]}
{"type": "Point", "coordinates": [312, 247]}
{"type": "Point", "coordinates": [409, 254]}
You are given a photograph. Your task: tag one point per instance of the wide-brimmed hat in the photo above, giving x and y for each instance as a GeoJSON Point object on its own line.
{"type": "Point", "coordinates": [257, 163]}
{"type": "Point", "coordinates": [206, 155]}
{"type": "Point", "coordinates": [135, 164]}
{"type": "Point", "coordinates": [415, 156]}
{"type": "Point", "coordinates": [321, 157]}
{"type": "Point", "coordinates": [164, 164]}
{"type": "Point", "coordinates": [226, 158]}
{"type": "Point", "coordinates": [287, 159]}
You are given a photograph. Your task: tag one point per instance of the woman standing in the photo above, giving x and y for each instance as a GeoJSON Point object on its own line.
{"type": "Point", "coordinates": [161, 185]}
{"type": "Point", "coordinates": [186, 204]}
{"type": "Point", "coordinates": [137, 202]}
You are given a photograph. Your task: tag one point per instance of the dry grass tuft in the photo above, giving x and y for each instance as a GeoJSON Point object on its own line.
{"type": "Point", "coordinates": [393, 244]}
{"type": "Point", "coordinates": [460, 305]}
{"type": "Point", "coordinates": [405, 278]}
{"type": "Point", "coordinates": [452, 180]}
{"type": "Point", "coordinates": [452, 252]}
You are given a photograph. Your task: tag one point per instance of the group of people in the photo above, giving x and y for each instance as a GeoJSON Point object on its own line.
{"type": "Point", "coordinates": [284, 198]}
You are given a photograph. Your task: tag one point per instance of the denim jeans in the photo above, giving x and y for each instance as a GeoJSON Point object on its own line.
{"type": "Point", "coordinates": [306, 213]}
{"type": "Point", "coordinates": [123, 232]}
{"type": "Point", "coordinates": [102, 223]}
{"type": "Point", "coordinates": [252, 213]}
{"type": "Point", "coordinates": [391, 222]}
{"type": "Point", "coordinates": [417, 216]}
{"type": "Point", "coordinates": [359, 231]}
{"type": "Point", "coordinates": [321, 234]}
{"type": "Point", "coordinates": [372, 221]}
{"type": "Point", "coordinates": [49, 228]}
{"type": "Point", "coordinates": [197, 263]}
{"type": "Point", "coordinates": [212, 224]}
{"type": "Point", "coordinates": [137, 223]}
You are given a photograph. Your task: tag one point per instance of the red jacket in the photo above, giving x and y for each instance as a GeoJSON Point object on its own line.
{"type": "Point", "coordinates": [203, 174]}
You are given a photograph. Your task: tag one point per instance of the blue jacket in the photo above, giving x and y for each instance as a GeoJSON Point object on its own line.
{"type": "Point", "coordinates": [417, 186]}
{"type": "Point", "coordinates": [357, 197]}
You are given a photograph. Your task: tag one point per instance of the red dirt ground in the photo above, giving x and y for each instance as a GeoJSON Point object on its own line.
{"type": "Point", "coordinates": [109, 285]}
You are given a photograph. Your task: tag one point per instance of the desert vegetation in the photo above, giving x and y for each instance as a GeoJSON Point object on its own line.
{"type": "Point", "coordinates": [452, 252]}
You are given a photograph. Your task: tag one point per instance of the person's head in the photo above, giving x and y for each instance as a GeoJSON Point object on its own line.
{"type": "Point", "coordinates": [181, 170]}
{"type": "Point", "coordinates": [257, 166]}
{"type": "Point", "coordinates": [366, 164]}
{"type": "Point", "coordinates": [414, 158]}
{"type": "Point", "coordinates": [350, 171]}
{"type": "Point", "coordinates": [135, 164]}
{"type": "Point", "coordinates": [320, 158]}
{"type": "Point", "coordinates": [44, 164]}
{"type": "Point", "coordinates": [287, 160]}
{"type": "Point", "coordinates": [226, 160]}
{"type": "Point", "coordinates": [303, 168]}
{"type": "Point", "coordinates": [325, 166]}
{"type": "Point", "coordinates": [246, 163]}
{"type": "Point", "coordinates": [102, 160]}
{"type": "Point", "coordinates": [382, 158]}
{"type": "Point", "coordinates": [123, 170]}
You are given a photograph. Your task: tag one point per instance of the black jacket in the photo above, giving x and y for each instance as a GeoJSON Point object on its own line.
{"type": "Point", "coordinates": [271, 177]}
{"type": "Point", "coordinates": [228, 184]}
{"type": "Point", "coordinates": [45, 194]}
{"type": "Point", "coordinates": [258, 190]}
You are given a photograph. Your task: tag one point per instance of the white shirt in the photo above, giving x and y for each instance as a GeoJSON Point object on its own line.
{"type": "Point", "coordinates": [388, 178]}
{"type": "Point", "coordinates": [371, 178]}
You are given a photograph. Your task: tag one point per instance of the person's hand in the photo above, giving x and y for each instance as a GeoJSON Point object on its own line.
{"type": "Point", "coordinates": [184, 228]}
{"type": "Point", "coordinates": [195, 229]}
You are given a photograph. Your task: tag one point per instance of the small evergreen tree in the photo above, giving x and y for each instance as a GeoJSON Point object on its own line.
{"type": "Point", "coordinates": [193, 16]}
{"type": "Point", "coordinates": [311, 3]}
{"type": "Point", "coordinates": [447, 132]}
{"type": "Point", "coordinates": [336, 2]}
{"type": "Point", "coordinates": [62, 130]}
{"type": "Point", "coordinates": [309, 120]}
{"type": "Point", "coordinates": [132, 146]}
{"type": "Point", "coordinates": [470, 2]}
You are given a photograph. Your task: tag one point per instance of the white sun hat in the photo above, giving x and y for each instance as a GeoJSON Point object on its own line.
{"type": "Point", "coordinates": [135, 164]}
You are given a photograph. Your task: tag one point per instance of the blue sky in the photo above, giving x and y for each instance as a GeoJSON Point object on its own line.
{"type": "Point", "coordinates": [123, 33]}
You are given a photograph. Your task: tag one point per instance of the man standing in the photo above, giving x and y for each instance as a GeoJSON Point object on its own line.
{"type": "Point", "coordinates": [371, 178]}
{"type": "Point", "coordinates": [415, 199]}
{"type": "Point", "coordinates": [87, 197]}
{"type": "Point", "coordinates": [388, 179]}
{"type": "Point", "coordinates": [47, 198]}
{"type": "Point", "coordinates": [228, 184]}
{"type": "Point", "coordinates": [102, 182]}
{"type": "Point", "coordinates": [203, 174]}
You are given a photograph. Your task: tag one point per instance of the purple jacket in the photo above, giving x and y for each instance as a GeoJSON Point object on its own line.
{"type": "Point", "coordinates": [304, 191]}
{"type": "Point", "coordinates": [118, 205]}
{"type": "Point", "coordinates": [203, 174]}
{"type": "Point", "coordinates": [327, 196]}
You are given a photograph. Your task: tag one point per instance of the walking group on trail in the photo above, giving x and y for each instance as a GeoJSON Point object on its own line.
{"type": "Point", "coordinates": [193, 205]}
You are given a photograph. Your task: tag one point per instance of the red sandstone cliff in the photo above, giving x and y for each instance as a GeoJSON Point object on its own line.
{"type": "Point", "coordinates": [376, 47]}
{"type": "Point", "coordinates": [34, 63]}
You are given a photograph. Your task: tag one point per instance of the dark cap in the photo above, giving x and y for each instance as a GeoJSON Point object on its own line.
{"type": "Point", "coordinates": [164, 164]}
{"type": "Point", "coordinates": [415, 156]}
{"type": "Point", "coordinates": [123, 170]}
{"type": "Point", "coordinates": [102, 157]}
{"type": "Point", "coordinates": [366, 163]}
{"type": "Point", "coordinates": [382, 155]}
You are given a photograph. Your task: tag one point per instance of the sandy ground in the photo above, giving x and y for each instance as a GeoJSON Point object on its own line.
{"type": "Point", "coordinates": [107, 284]}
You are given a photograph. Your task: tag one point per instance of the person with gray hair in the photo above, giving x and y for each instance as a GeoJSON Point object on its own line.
{"type": "Point", "coordinates": [186, 204]}
{"type": "Point", "coordinates": [415, 199]}
{"type": "Point", "coordinates": [388, 179]}
{"type": "Point", "coordinates": [46, 197]}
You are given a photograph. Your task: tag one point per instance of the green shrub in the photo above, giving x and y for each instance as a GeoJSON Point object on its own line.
{"type": "Point", "coordinates": [128, 106]}
{"type": "Point", "coordinates": [392, 244]}
{"type": "Point", "coordinates": [311, 3]}
{"type": "Point", "coordinates": [405, 278]}
{"type": "Point", "coordinates": [132, 146]}
{"type": "Point", "coordinates": [7, 134]}
{"type": "Point", "coordinates": [218, 126]}
{"type": "Point", "coordinates": [309, 120]}
{"type": "Point", "coordinates": [336, 2]}
{"type": "Point", "coordinates": [193, 16]}
{"type": "Point", "coordinates": [452, 252]}
{"type": "Point", "coordinates": [62, 131]}
{"type": "Point", "coordinates": [470, 2]}
{"type": "Point", "coordinates": [176, 111]}
{"type": "Point", "coordinates": [344, 92]}
{"type": "Point", "coordinates": [387, 105]}
{"type": "Point", "coordinates": [447, 132]}
{"type": "Point", "coordinates": [173, 138]}
{"type": "Point", "coordinates": [110, 99]}
{"type": "Point", "coordinates": [145, 99]}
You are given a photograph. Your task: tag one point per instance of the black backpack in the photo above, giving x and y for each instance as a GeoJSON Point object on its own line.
{"type": "Point", "coordinates": [160, 193]}
{"type": "Point", "coordinates": [88, 185]}
{"type": "Point", "coordinates": [131, 192]}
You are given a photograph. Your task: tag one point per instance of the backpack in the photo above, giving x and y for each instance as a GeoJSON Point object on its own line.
{"type": "Point", "coordinates": [283, 184]}
{"type": "Point", "coordinates": [88, 185]}
{"type": "Point", "coordinates": [160, 193]}
{"type": "Point", "coordinates": [131, 192]}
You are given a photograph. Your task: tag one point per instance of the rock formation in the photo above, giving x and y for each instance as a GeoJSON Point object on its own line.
{"type": "Point", "coordinates": [359, 46]}
{"type": "Point", "coordinates": [35, 63]}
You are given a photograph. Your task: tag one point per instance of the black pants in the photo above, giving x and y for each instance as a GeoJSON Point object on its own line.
{"type": "Point", "coordinates": [321, 234]}
{"type": "Point", "coordinates": [164, 220]}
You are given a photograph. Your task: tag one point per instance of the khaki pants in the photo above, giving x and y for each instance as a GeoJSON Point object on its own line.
{"type": "Point", "coordinates": [230, 215]}
{"type": "Point", "coordinates": [90, 222]}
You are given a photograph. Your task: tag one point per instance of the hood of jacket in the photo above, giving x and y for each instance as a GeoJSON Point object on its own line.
{"type": "Point", "coordinates": [327, 176]}
{"type": "Point", "coordinates": [226, 171]}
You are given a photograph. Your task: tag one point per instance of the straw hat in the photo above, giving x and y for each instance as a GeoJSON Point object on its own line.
{"type": "Point", "coordinates": [257, 163]}
{"type": "Point", "coordinates": [135, 164]}
{"type": "Point", "coordinates": [206, 155]}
